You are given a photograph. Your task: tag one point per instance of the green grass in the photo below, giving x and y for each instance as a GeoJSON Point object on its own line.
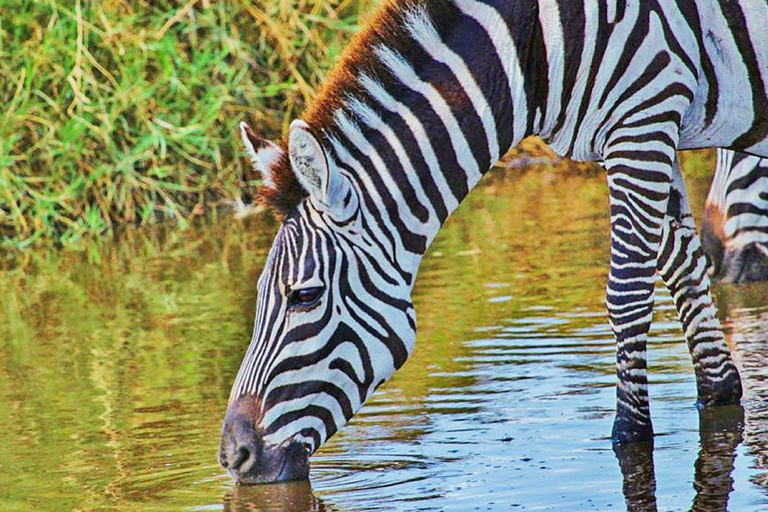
{"type": "Point", "coordinates": [126, 112]}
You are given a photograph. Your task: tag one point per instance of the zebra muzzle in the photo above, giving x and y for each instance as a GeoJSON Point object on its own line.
{"type": "Point", "coordinates": [245, 456]}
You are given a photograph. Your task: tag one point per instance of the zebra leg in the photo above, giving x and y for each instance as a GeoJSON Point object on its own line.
{"type": "Point", "coordinates": [639, 183]}
{"type": "Point", "coordinates": [683, 267]}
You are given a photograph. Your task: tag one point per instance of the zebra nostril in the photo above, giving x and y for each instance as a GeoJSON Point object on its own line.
{"type": "Point", "coordinates": [239, 458]}
{"type": "Point", "coordinates": [241, 445]}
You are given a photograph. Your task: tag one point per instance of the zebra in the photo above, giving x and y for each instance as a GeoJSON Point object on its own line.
{"type": "Point", "coordinates": [735, 229]}
{"type": "Point", "coordinates": [421, 104]}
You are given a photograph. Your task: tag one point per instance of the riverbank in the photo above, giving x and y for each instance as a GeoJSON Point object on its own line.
{"type": "Point", "coordinates": [119, 113]}
{"type": "Point", "coordinates": [126, 113]}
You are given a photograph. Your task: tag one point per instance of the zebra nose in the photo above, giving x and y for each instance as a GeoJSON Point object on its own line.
{"type": "Point", "coordinates": [241, 447]}
{"type": "Point", "coordinates": [244, 454]}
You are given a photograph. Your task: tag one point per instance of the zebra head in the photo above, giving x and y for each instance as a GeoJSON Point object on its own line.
{"type": "Point", "coordinates": [334, 318]}
{"type": "Point", "coordinates": [734, 232]}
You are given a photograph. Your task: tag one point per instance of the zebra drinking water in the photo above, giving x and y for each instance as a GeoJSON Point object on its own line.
{"type": "Point", "coordinates": [426, 100]}
{"type": "Point", "coordinates": [735, 230]}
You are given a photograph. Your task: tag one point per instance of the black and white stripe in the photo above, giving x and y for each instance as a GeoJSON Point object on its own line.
{"type": "Point", "coordinates": [735, 230]}
{"type": "Point", "coordinates": [422, 105]}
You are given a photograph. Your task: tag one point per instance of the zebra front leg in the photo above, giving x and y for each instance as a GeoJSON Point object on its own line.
{"type": "Point", "coordinates": [683, 267]}
{"type": "Point", "coordinates": [638, 180]}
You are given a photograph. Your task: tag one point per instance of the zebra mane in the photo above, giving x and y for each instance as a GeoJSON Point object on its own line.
{"type": "Point", "coordinates": [388, 28]}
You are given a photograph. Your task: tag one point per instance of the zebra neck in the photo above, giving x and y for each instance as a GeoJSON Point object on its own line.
{"type": "Point", "coordinates": [423, 122]}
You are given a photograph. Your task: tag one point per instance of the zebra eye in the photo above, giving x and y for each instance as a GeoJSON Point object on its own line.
{"type": "Point", "coordinates": [304, 297]}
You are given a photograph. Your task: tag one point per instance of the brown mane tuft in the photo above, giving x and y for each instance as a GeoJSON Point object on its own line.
{"type": "Point", "coordinates": [386, 25]}
{"type": "Point", "coordinates": [357, 57]}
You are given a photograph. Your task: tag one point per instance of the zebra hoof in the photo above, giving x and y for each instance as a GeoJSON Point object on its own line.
{"type": "Point", "coordinates": [726, 392]}
{"type": "Point", "coordinates": [626, 431]}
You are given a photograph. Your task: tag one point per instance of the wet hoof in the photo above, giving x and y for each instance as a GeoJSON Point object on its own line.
{"type": "Point", "coordinates": [626, 431]}
{"type": "Point", "coordinates": [726, 392]}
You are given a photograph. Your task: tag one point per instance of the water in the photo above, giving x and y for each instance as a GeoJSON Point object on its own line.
{"type": "Point", "coordinates": [116, 363]}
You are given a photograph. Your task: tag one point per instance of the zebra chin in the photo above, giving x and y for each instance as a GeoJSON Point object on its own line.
{"type": "Point", "coordinates": [248, 459]}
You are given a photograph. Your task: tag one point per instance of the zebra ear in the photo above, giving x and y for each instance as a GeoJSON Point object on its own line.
{"type": "Point", "coordinates": [313, 168]}
{"type": "Point", "coordinates": [264, 154]}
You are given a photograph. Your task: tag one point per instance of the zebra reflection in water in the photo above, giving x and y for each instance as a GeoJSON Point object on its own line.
{"type": "Point", "coordinates": [720, 432]}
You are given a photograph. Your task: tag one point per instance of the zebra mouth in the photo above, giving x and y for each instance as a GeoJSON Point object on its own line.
{"type": "Point", "coordinates": [295, 465]}
{"type": "Point", "coordinates": [745, 265]}
{"type": "Point", "coordinates": [246, 456]}
{"type": "Point", "coordinates": [274, 466]}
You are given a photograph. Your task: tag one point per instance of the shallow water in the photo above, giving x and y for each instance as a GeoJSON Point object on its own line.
{"type": "Point", "coordinates": [116, 363]}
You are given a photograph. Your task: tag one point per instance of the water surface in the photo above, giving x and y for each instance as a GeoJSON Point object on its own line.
{"type": "Point", "coordinates": [116, 363]}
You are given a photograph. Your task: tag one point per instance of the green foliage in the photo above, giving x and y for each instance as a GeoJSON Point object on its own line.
{"type": "Point", "coordinates": [126, 112]}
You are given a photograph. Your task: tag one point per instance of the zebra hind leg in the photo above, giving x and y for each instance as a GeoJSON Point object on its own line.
{"type": "Point", "coordinates": [683, 267]}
